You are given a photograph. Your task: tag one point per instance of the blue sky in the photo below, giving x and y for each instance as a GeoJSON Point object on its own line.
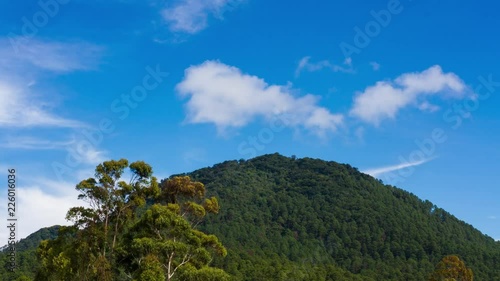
{"type": "Point", "coordinates": [405, 90]}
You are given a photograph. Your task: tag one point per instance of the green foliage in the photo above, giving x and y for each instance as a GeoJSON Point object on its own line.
{"type": "Point", "coordinates": [279, 218]}
{"type": "Point", "coordinates": [25, 256]}
{"type": "Point", "coordinates": [164, 237]}
{"type": "Point", "coordinates": [308, 215]}
{"type": "Point", "coordinates": [150, 269]}
{"type": "Point", "coordinates": [205, 273]}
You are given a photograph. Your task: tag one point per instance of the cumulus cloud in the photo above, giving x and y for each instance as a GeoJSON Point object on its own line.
{"type": "Point", "coordinates": [191, 16]}
{"type": "Point", "coordinates": [305, 64]}
{"type": "Point", "coordinates": [384, 99]}
{"type": "Point", "coordinates": [227, 97]}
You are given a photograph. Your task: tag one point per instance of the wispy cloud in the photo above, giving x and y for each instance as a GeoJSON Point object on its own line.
{"type": "Point", "coordinates": [492, 217]}
{"type": "Point", "coordinates": [20, 53]}
{"type": "Point", "coordinates": [376, 172]}
{"type": "Point", "coordinates": [223, 95]}
{"type": "Point", "coordinates": [305, 64]}
{"type": "Point", "coordinates": [375, 65]}
{"type": "Point", "coordinates": [80, 148]}
{"type": "Point", "coordinates": [21, 62]}
{"type": "Point", "coordinates": [19, 109]}
{"type": "Point", "coordinates": [386, 98]}
{"type": "Point", "coordinates": [428, 107]}
{"type": "Point", "coordinates": [91, 156]}
{"type": "Point", "coordinates": [191, 16]}
{"type": "Point", "coordinates": [33, 143]}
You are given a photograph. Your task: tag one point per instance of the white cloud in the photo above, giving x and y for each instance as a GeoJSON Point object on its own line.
{"type": "Point", "coordinates": [386, 98]}
{"type": "Point", "coordinates": [375, 65]}
{"type": "Point", "coordinates": [20, 60]}
{"type": "Point", "coordinates": [90, 156]}
{"type": "Point", "coordinates": [18, 108]}
{"type": "Point", "coordinates": [223, 95]}
{"type": "Point", "coordinates": [492, 217]}
{"type": "Point", "coordinates": [41, 202]}
{"type": "Point", "coordinates": [37, 208]}
{"type": "Point", "coordinates": [305, 64]}
{"type": "Point", "coordinates": [376, 172]}
{"type": "Point", "coordinates": [21, 52]}
{"type": "Point", "coordinates": [79, 147]}
{"type": "Point", "coordinates": [32, 143]}
{"type": "Point", "coordinates": [428, 107]}
{"type": "Point", "coordinates": [191, 16]}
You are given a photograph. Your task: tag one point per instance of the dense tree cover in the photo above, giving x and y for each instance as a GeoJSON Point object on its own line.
{"type": "Point", "coordinates": [26, 259]}
{"type": "Point", "coordinates": [306, 214]}
{"type": "Point", "coordinates": [34, 239]}
{"type": "Point", "coordinates": [281, 219]}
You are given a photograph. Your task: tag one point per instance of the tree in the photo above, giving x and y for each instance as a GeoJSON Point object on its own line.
{"type": "Point", "coordinates": [165, 242]}
{"type": "Point", "coordinates": [115, 239]}
{"type": "Point", "coordinates": [189, 197]}
{"type": "Point", "coordinates": [113, 201]}
{"type": "Point", "coordinates": [451, 268]}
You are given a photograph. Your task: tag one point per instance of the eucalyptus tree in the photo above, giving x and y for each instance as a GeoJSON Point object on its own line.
{"type": "Point", "coordinates": [134, 230]}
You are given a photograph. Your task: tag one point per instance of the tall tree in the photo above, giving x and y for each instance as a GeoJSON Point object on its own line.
{"type": "Point", "coordinates": [164, 242]}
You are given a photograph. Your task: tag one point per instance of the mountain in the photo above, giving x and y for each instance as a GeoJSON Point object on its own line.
{"type": "Point", "coordinates": [285, 218]}
{"type": "Point", "coordinates": [311, 213]}
{"type": "Point", "coordinates": [25, 255]}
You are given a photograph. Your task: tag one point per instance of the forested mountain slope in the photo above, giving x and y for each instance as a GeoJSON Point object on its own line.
{"type": "Point", "coordinates": [281, 214]}
{"type": "Point", "coordinates": [25, 255]}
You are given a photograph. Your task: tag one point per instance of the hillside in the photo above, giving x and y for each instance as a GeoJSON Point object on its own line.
{"type": "Point", "coordinates": [26, 258]}
{"type": "Point", "coordinates": [311, 213]}
{"type": "Point", "coordinates": [306, 219]}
